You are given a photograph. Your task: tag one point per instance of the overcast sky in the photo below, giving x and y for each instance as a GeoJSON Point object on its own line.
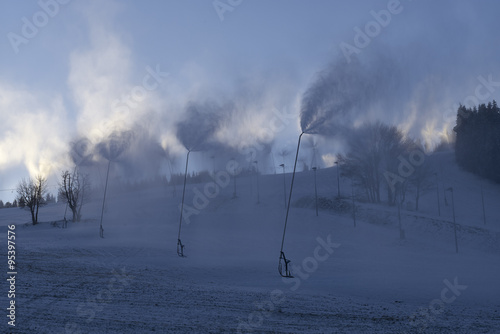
{"type": "Point", "coordinates": [85, 68]}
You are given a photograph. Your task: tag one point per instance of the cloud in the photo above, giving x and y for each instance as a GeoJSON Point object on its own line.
{"type": "Point", "coordinates": [98, 77]}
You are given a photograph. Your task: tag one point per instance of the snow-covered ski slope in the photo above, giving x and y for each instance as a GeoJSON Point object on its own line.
{"type": "Point", "coordinates": [348, 279]}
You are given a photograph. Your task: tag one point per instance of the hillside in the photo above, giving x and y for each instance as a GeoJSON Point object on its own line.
{"type": "Point", "coordinates": [348, 279]}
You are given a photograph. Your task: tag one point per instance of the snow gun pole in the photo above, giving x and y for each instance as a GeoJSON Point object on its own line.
{"type": "Point", "coordinates": [65, 211]}
{"type": "Point", "coordinates": [482, 200]}
{"type": "Point", "coordinates": [180, 246]}
{"type": "Point", "coordinates": [283, 260]}
{"type": "Point", "coordinates": [101, 230]}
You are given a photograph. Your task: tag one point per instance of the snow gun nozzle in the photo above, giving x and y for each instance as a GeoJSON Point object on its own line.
{"type": "Point", "coordinates": [283, 264]}
{"type": "Point", "coordinates": [180, 248]}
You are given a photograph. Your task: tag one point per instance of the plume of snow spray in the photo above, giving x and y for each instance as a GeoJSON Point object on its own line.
{"type": "Point", "coordinates": [144, 156]}
{"type": "Point", "coordinates": [117, 142]}
{"type": "Point", "coordinates": [337, 95]}
{"type": "Point", "coordinates": [81, 151]}
{"type": "Point", "coordinates": [201, 121]}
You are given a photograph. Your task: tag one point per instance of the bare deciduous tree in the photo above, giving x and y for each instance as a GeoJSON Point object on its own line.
{"type": "Point", "coordinates": [421, 181]}
{"type": "Point", "coordinates": [31, 193]}
{"type": "Point", "coordinates": [74, 189]}
{"type": "Point", "coordinates": [374, 149]}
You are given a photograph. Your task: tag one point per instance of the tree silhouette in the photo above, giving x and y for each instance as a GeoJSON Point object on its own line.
{"type": "Point", "coordinates": [74, 190]}
{"type": "Point", "coordinates": [477, 147]}
{"type": "Point", "coordinates": [31, 192]}
{"type": "Point", "coordinates": [373, 150]}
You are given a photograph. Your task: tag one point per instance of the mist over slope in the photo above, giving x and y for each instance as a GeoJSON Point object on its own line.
{"type": "Point", "coordinates": [232, 247]}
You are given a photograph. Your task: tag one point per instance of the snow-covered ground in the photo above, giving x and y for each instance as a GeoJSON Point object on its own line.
{"type": "Point", "coordinates": [348, 279]}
